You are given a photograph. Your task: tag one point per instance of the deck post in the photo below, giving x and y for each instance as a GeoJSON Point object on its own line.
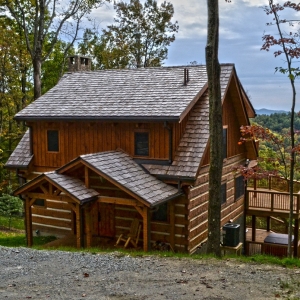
{"type": "Point", "coordinates": [296, 237]}
{"type": "Point", "coordinates": [272, 202]}
{"type": "Point", "coordinates": [78, 226]}
{"type": "Point", "coordinates": [28, 221]}
{"type": "Point", "coordinates": [268, 223]}
{"type": "Point", "coordinates": [253, 228]}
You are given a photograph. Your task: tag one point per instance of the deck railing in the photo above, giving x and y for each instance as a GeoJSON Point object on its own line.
{"type": "Point", "coordinates": [272, 201]}
{"type": "Point", "coordinates": [273, 183]}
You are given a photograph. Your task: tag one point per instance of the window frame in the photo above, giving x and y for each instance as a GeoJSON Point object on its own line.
{"type": "Point", "coordinates": [50, 147]}
{"type": "Point", "coordinates": [37, 202]}
{"type": "Point", "coordinates": [167, 212]}
{"type": "Point", "coordinates": [239, 187]}
{"type": "Point", "coordinates": [137, 132]}
{"type": "Point", "coordinates": [223, 193]}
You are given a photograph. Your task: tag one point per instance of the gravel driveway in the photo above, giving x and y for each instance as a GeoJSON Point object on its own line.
{"type": "Point", "coordinates": [39, 274]}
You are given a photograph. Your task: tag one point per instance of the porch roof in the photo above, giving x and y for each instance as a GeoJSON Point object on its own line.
{"type": "Point", "coordinates": [119, 168]}
{"type": "Point", "coordinates": [71, 186]}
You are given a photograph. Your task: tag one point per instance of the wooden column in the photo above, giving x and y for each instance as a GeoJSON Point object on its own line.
{"type": "Point", "coordinates": [268, 223]}
{"type": "Point", "coordinates": [253, 228]}
{"type": "Point", "coordinates": [78, 226]}
{"type": "Point", "coordinates": [88, 224]}
{"type": "Point", "coordinates": [296, 237]}
{"type": "Point", "coordinates": [28, 221]}
{"type": "Point", "coordinates": [146, 229]}
{"type": "Point", "coordinates": [172, 225]}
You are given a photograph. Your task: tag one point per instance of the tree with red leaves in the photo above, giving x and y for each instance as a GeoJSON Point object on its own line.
{"type": "Point", "coordinates": [287, 45]}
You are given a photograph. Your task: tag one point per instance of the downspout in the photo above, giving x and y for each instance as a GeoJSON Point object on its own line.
{"type": "Point", "coordinates": [167, 126]}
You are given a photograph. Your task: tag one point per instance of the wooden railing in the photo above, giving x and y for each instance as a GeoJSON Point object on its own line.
{"type": "Point", "coordinates": [253, 248]}
{"type": "Point", "coordinates": [273, 201]}
{"type": "Point", "coordinates": [273, 183]}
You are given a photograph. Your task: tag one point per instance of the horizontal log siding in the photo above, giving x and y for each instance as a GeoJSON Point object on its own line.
{"type": "Point", "coordinates": [198, 202]}
{"type": "Point", "coordinates": [77, 138]}
{"type": "Point", "coordinates": [54, 218]}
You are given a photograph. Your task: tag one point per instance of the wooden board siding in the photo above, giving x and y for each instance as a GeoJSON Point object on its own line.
{"type": "Point", "coordinates": [198, 202]}
{"type": "Point", "coordinates": [77, 138]}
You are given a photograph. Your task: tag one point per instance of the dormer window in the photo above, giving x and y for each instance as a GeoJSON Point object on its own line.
{"type": "Point", "coordinates": [53, 140]}
{"type": "Point", "coordinates": [141, 143]}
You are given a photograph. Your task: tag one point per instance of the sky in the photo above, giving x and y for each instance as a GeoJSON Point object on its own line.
{"type": "Point", "coordinates": [242, 25]}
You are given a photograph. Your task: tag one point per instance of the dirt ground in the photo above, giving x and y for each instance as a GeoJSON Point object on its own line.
{"type": "Point", "coordinates": [43, 274]}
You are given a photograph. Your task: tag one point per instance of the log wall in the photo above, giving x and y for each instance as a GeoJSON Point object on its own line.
{"type": "Point", "coordinates": [198, 202]}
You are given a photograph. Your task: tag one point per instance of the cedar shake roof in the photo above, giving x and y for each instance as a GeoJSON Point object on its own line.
{"type": "Point", "coordinates": [71, 186]}
{"type": "Point", "coordinates": [124, 171]}
{"type": "Point", "coordinates": [192, 145]}
{"type": "Point", "coordinates": [21, 157]}
{"type": "Point", "coordinates": [143, 93]}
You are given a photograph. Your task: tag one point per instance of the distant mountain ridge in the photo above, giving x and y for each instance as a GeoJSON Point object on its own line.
{"type": "Point", "coordinates": [265, 111]}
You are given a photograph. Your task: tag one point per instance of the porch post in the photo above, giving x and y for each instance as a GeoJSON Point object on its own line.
{"type": "Point", "coordinates": [146, 228]}
{"type": "Point", "coordinates": [296, 237]}
{"type": "Point", "coordinates": [28, 221]}
{"type": "Point", "coordinates": [253, 228]}
{"type": "Point", "coordinates": [78, 226]}
{"type": "Point", "coordinates": [172, 226]}
{"type": "Point", "coordinates": [268, 223]}
{"type": "Point", "coordinates": [87, 211]}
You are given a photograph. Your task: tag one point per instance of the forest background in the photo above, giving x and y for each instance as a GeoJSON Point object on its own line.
{"type": "Point", "coordinates": [113, 47]}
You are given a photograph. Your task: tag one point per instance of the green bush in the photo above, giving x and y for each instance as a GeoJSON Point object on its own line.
{"type": "Point", "coordinates": [10, 206]}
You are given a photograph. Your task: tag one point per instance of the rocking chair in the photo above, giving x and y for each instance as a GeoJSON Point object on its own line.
{"type": "Point", "coordinates": [132, 236]}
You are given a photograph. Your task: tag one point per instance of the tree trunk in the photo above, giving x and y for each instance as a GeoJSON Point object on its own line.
{"type": "Point", "coordinates": [215, 129]}
{"type": "Point", "coordinates": [37, 70]}
{"type": "Point", "coordinates": [292, 167]}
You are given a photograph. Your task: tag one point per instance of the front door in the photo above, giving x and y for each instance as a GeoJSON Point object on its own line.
{"type": "Point", "coordinates": [106, 220]}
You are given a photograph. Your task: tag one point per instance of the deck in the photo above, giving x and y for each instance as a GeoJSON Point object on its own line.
{"type": "Point", "coordinates": [270, 198]}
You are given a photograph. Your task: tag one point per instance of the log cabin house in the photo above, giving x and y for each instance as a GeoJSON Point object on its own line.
{"type": "Point", "coordinates": [105, 147]}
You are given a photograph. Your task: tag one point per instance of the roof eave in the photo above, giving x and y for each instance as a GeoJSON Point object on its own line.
{"type": "Point", "coordinates": [97, 118]}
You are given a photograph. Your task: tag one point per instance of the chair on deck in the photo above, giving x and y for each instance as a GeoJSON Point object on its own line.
{"type": "Point", "coordinates": [132, 236]}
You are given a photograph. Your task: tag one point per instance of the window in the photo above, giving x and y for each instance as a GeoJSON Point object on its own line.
{"type": "Point", "coordinates": [141, 143]}
{"type": "Point", "coordinates": [52, 138]}
{"type": "Point", "coordinates": [39, 202]}
{"type": "Point", "coordinates": [224, 142]}
{"type": "Point", "coordinates": [223, 191]}
{"type": "Point", "coordinates": [160, 213]}
{"type": "Point", "coordinates": [239, 187]}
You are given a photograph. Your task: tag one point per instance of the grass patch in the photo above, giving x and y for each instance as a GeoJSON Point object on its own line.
{"type": "Point", "coordinates": [16, 222]}
{"type": "Point", "coordinates": [17, 239]}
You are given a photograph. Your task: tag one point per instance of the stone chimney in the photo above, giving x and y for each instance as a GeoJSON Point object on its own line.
{"type": "Point", "coordinates": [79, 63]}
